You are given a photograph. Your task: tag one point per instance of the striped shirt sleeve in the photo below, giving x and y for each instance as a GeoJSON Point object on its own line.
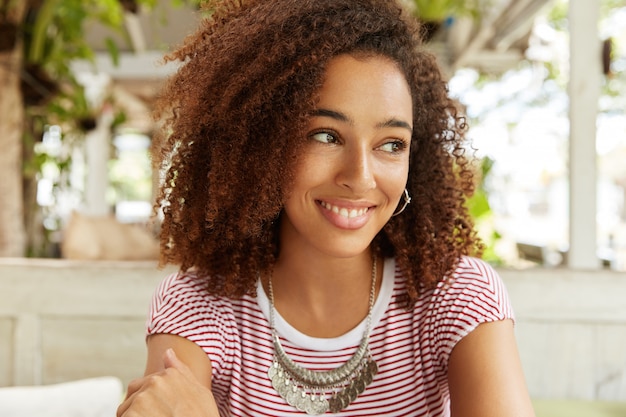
{"type": "Point", "coordinates": [182, 307]}
{"type": "Point", "coordinates": [474, 295]}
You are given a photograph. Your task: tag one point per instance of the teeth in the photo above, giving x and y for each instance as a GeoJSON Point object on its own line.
{"type": "Point", "coordinates": [344, 212]}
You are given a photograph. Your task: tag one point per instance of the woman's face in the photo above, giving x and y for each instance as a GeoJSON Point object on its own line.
{"type": "Point", "coordinates": [355, 164]}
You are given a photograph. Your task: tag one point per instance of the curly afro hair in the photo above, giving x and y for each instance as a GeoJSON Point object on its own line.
{"type": "Point", "coordinates": [233, 125]}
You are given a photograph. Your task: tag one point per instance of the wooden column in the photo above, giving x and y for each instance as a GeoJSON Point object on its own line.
{"type": "Point", "coordinates": [584, 91]}
{"type": "Point", "coordinates": [97, 144]}
{"type": "Point", "coordinates": [12, 230]}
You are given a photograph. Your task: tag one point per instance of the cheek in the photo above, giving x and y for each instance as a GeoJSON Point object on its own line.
{"type": "Point", "coordinates": [395, 175]}
{"type": "Point", "coordinates": [398, 182]}
{"type": "Point", "coordinates": [311, 166]}
{"type": "Point", "coordinates": [304, 177]}
{"type": "Point", "coordinates": [295, 175]}
{"type": "Point", "coordinates": [392, 186]}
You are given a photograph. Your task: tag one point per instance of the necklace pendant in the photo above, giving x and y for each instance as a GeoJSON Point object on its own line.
{"type": "Point", "coordinates": [293, 395]}
{"type": "Point", "coordinates": [314, 403]}
{"type": "Point", "coordinates": [307, 390]}
{"type": "Point", "coordinates": [274, 369]}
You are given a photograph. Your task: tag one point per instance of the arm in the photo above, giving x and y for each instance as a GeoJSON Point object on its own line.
{"type": "Point", "coordinates": [485, 375]}
{"type": "Point", "coordinates": [177, 382]}
{"type": "Point", "coordinates": [188, 352]}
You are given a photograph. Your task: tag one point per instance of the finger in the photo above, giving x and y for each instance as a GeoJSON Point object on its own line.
{"type": "Point", "coordinates": [121, 409]}
{"type": "Point", "coordinates": [134, 386]}
{"type": "Point", "coordinates": [170, 360]}
{"type": "Point", "coordinates": [142, 403]}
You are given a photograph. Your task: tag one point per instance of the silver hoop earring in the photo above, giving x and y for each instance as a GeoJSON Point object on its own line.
{"type": "Point", "coordinates": [407, 200]}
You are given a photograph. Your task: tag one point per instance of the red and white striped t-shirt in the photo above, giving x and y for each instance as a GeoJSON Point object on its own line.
{"type": "Point", "coordinates": [411, 347]}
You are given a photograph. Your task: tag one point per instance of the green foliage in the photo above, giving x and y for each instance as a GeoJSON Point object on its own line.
{"type": "Point", "coordinates": [607, 6]}
{"type": "Point", "coordinates": [439, 10]}
{"type": "Point", "coordinates": [56, 36]}
{"type": "Point", "coordinates": [480, 211]}
{"type": "Point", "coordinates": [53, 34]}
{"type": "Point", "coordinates": [557, 15]}
{"type": "Point", "coordinates": [554, 78]}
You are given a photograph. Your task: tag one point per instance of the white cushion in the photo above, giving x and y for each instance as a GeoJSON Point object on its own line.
{"type": "Point", "coordinates": [94, 397]}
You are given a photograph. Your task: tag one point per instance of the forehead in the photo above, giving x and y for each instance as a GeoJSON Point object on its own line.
{"type": "Point", "coordinates": [361, 82]}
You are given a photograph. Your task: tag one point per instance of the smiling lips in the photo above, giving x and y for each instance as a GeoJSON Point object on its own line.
{"type": "Point", "coordinates": [342, 211]}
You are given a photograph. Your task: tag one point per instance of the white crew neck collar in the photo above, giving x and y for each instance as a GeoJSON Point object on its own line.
{"type": "Point", "coordinates": [352, 337]}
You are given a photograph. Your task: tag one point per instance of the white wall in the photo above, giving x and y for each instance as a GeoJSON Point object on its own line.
{"type": "Point", "coordinates": [63, 320]}
{"type": "Point", "coordinates": [571, 330]}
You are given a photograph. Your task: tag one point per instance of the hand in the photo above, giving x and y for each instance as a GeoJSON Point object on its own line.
{"type": "Point", "coordinates": [172, 392]}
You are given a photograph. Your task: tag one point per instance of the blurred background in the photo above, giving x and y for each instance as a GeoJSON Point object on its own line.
{"type": "Point", "coordinates": [543, 85]}
{"type": "Point", "coordinates": [78, 79]}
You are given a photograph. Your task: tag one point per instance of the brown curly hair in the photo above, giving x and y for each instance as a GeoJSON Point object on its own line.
{"type": "Point", "coordinates": [235, 114]}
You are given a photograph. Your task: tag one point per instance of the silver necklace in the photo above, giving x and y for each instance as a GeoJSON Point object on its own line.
{"type": "Point", "coordinates": [316, 392]}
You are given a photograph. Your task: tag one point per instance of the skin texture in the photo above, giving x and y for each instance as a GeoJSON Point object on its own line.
{"type": "Point", "coordinates": [353, 159]}
{"type": "Point", "coordinates": [485, 374]}
{"type": "Point", "coordinates": [357, 159]}
{"type": "Point", "coordinates": [170, 387]}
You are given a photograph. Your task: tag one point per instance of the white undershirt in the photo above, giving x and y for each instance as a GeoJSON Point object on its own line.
{"type": "Point", "coordinates": [352, 337]}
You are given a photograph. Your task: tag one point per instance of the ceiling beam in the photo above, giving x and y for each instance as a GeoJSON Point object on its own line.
{"type": "Point", "coordinates": [515, 23]}
{"type": "Point", "coordinates": [142, 66]}
{"type": "Point", "coordinates": [481, 37]}
{"type": "Point", "coordinates": [135, 32]}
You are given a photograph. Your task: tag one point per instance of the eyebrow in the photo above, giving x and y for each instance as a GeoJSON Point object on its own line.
{"type": "Point", "coordinates": [344, 118]}
{"type": "Point", "coordinates": [332, 114]}
{"type": "Point", "coordinates": [395, 123]}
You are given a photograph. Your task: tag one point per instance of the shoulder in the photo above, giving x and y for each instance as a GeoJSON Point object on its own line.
{"type": "Point", "coordinates": [183, 306]}
{"type": "Point", "coordinates": [472, 295]}
{"type": "Point", "coordinates": [475, 289]}
{"type": "Point", "coordinates": [178, 286]}
{"type": "Point", "coordinates": [184, 289]}
{"type": "Point", "coordinates": [182, 300]}
{"type": "Point", "coordinates": [187, 287]}
{"type": "Point", "coordinates": [475, 277]}
{"type": "Point", "coordinates": [476, 271]}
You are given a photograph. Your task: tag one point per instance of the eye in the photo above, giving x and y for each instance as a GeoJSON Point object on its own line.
{"type": "Point", "coordinates": [324, 137]}
{"type": "Point", "coordinates": [394, 146]}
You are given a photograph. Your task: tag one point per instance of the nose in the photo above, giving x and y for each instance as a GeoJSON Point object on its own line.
{"type": "Point", "coordinates": [357, 170]}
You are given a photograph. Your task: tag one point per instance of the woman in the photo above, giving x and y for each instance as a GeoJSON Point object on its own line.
{"type": "Point", "coordinates": [315, 178]}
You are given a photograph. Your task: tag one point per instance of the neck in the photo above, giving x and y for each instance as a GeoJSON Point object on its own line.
{"type": "Point", "coordinates": [311, 271]}
{"type": "Point", "coordinates": [321, 296]}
